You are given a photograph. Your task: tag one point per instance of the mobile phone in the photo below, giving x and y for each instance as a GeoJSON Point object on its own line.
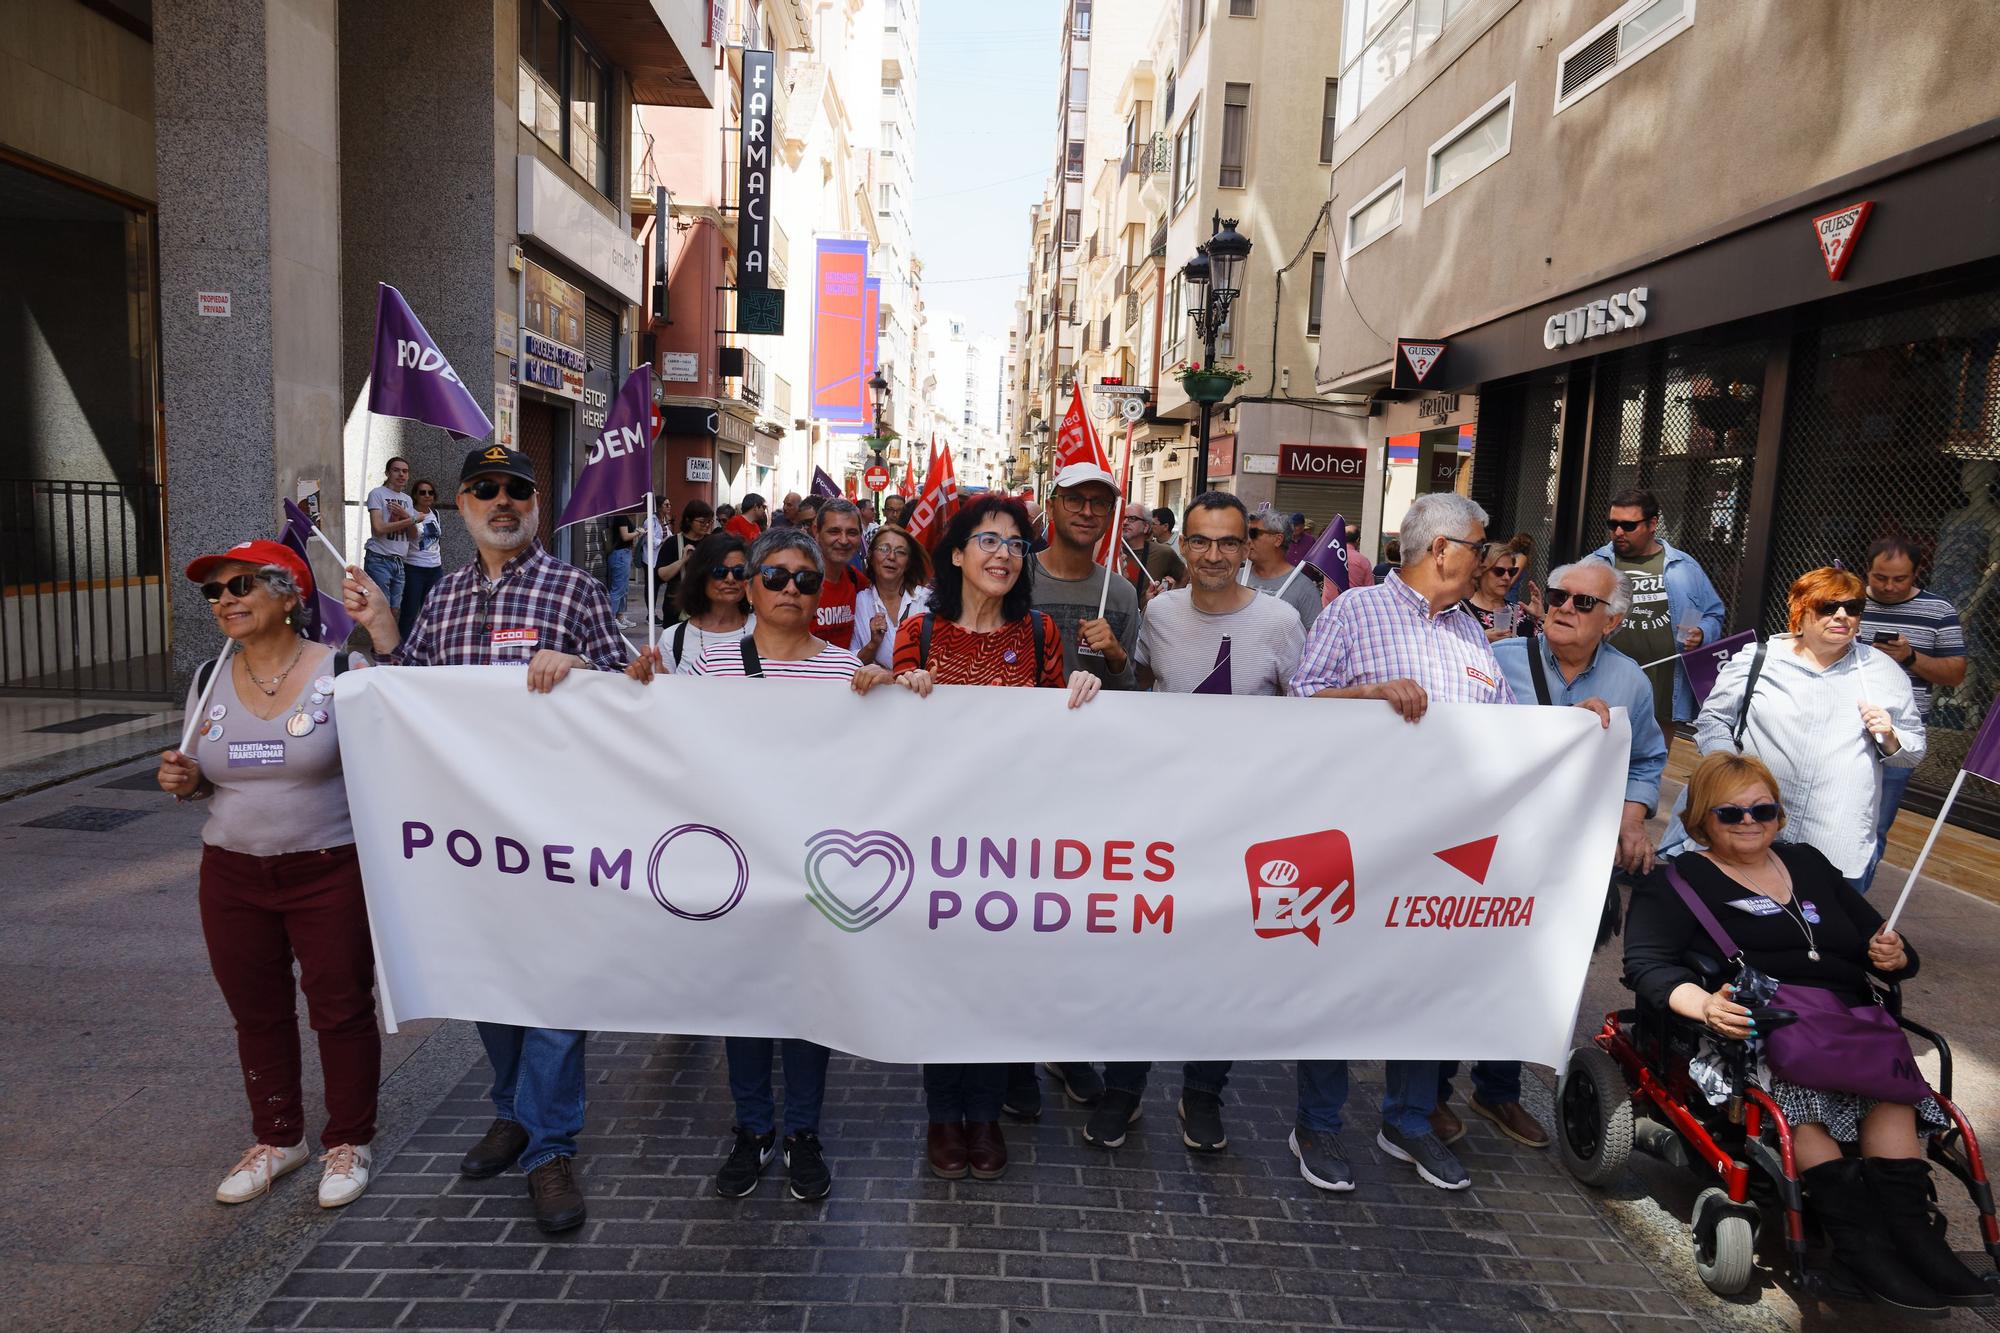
{"type": "Point", "coordinates": [1885, 636]}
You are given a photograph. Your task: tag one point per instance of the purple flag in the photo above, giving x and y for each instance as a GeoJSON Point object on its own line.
{"type": "Point", "coordinates": [1329, 554]}
{"type": "Point", "coordinates": [1217, 681]}
{"type": "Point", "coordinates": [327, 620]}
{"type": "Point", "coordinates": [411, 378]}
{"type": "Point", "coordinates": [1983, 759]}
{"type": "Point", "coordinates": [618, 472]}
{"type": "Point", "coordinates": [1704, 664]}
{"type": "Point", "coordinates": [823, 485]}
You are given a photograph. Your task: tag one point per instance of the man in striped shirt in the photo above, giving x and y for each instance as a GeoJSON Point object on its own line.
{"type": "Point", "coordinates": [1405, 641]}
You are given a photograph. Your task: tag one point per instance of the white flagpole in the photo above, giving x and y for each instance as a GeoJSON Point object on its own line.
{"type": "Point", "coordinates": [200, 709]}
{"type": "Point", "coordinates": [1104, 597]}
{"type": "Point", "coordinates": [367, 529]}
{"type": "Point", "coordinates": [1296, 569]}
{"type": "Point", "coordinates": [1924, 855]}
{"type": "Point", "coordinates": [652, 621]}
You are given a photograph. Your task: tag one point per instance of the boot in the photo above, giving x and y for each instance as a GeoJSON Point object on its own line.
{"type": "Point", "coordinates": [1907, 1201]}
{"type": "Point", "coordinates": [1862, 1246]}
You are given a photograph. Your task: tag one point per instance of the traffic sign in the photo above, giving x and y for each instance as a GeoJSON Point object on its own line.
{"type": "Point", "coordinates": [877, 478]}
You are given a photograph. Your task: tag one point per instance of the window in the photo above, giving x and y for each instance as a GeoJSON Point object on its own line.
{"type": "Point", "coordinates": [1079, 87]}
{"type": "Point", "coordinates": [1476, 143]}
{"type": "Point", "coordinates": [1375, 216]}
{"type": "Point", "coordinates": [1080, 20]}
{"type": "Point", "coordinates": [564, 93]}
{"type": "Point", "coordinates": [590, 151]}
{"type": "Point", "coordinates": [1176, 318]}
{"type": "Point", "coordinates": [1315, 298]}
{"type": "Point", "coordinates": [1072, 224]}
{"type": "Point", "coordinates": [1326, 120]}
{"type": "Point", "coordinates": [1073, 160]}
{"type": "Point", "coordinates": [1235, 133]}
{"type": "Point", "coordinates": [1243, 9]}
{"type": "Point", "coordinates": [1194, 17]}
{"type": "Point", "coordinates": [1379, 39]}
{"type": "Point", "coordinates": [1638, 29]}
{"type": "Point", "coordinates": [1187, 156]}
{"type": "Point", "coordinates": [541, 81]}
{"type": "Point", "coordinates": [889, 138]}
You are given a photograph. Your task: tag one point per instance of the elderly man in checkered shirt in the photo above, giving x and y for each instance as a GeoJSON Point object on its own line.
{"type": "Point", "coordinates": [515, 605]}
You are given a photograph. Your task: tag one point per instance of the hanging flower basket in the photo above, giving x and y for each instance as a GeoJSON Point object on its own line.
{"type": "Point", "coordinates": [1209, 384]}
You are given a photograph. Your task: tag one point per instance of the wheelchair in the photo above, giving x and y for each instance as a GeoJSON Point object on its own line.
{"type": "Point", "coordinates": [1629, 1087]}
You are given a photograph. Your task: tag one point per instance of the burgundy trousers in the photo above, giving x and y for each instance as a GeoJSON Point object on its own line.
{"type": "Point", "coordinates": [258, 913]}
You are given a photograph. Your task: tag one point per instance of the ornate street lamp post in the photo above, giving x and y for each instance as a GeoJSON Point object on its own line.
{"type": "Point", "coordinates": [1216, 274]}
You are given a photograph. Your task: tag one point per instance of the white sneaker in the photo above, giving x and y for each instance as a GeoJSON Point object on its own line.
{"type": "Point", "coordinates": [251, 1178]}
{"type": "Point", "coordinates": [346, 1174]}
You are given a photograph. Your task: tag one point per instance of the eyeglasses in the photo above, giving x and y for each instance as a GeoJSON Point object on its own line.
{"type": "Point", "coordinates": [1088, 504]}
{"type": "Point", "coordinates": [239, 586]}
{"type": "Point", "coordinates": [775, 577]}
{"type": "Point", "coordinates": [1853, 606]}
{"type": "Point", "coordinates": [1763, 812]}
{"type": "Point", "coordinates": [990, 543]}
{"type": "Point", "coordinates": [739, 573]}
{"type": "Point", "coordinates": [1583, 601]}
{"type": "Point", "coordinates": [1483, 550]}
{"type": "Point", "coordinates": [1505, 571]}
{"type": "Point", "coordinates": [422, 491]}
{"type": "Point", "coordinates": [1202, 545]}
{"type": "Point", "coordinates": [517, 488]}
{"type": "Point", "coordinates": [1624, 524]}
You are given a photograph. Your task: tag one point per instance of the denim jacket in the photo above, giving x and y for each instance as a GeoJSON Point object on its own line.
{"type": "Point", "coordinates": [1688, 589]}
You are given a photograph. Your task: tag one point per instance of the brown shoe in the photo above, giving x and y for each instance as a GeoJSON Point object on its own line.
{"type": "Point", "coordinates": [947, 1150]}
{"type": "Point", "coordinates": [986, 1147]}
{"type": "Point", "coordinates": [1513, 1120]}
{"type": "Point", "coordinates": [557, 1196]}
{"type": "Point", "coordinates": [501, 1147]}
{"type": "Point", "coordinates": [1446, 1125]}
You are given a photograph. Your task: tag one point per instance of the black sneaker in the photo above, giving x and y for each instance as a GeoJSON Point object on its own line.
{"type": "Point", "coordinates": [1117, 1110]}
{"type": "Point", "coordinates": [1321, 1161]}
{"type": "Point", "coordinates": [1434, 1162]}
{"type": "Point", "coordinates": [1024, 1093]}
{"type": "Point", "coordinates": [1201, 1121]}
{"type": "Point", "coordinates": [1080, 1082]}
{"type": "Point", "coordinates": [805, 1166]}
{"type": "Point", "coordinates": [747, 1160]}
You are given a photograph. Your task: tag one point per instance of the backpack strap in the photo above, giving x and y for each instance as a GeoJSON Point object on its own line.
{"type": "Point", "coordinates": [1694, 904]}
{"type": "Point", "coordinates": [342, 663]}
{"type": "Point", "coordinates": [1749, 688]}
{"type": "Point", "coordinates": [924, 641]}
{"type": "Point", "coordinates": [680, 643]}
{"type": "Point", "coordinates": [1035, 628]}
{"type": "Point", "coordinates": [752, 664]}
{"type": "Point", "coordinates": [201, 677]}
{"type": "Point", "coordinates": [1538, 670]}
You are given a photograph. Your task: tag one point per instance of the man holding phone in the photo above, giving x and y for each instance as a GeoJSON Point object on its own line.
{"type": "Point", "coordinates": [1920, 631]}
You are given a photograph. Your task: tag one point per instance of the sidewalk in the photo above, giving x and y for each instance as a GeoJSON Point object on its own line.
{"type": "Point", "coordinates": [46, 741]}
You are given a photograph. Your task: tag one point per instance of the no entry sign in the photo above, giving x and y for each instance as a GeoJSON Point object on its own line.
{"type": "Point", "coordinates": [877, 478]}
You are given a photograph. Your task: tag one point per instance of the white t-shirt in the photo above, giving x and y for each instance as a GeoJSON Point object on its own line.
{"type": "Point", "coordinates": [425, 551]}
{"type": "Point", "coordinates": [866, 606]}
{"type": "Point", "coordinates": [695, 642]}
{"type": "Point", "coordinates": [1180, 643]}
{"type": "Point", "coordinates": [379, 501]}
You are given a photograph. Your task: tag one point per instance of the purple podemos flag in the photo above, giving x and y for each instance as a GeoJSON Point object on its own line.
{"type": "Point", "coordinates": [327, 620]}
{"type": "Point", "coordinates": [1704, 664]}
{"type": "Point", "coordinates": [1329, 554]}
{"type": "Point", "coordinates": [1217, 681]}
{"type": "Point", "coordinates": [412, 379]}
{"type": "Point", "coordinates": [1983, 759]}
{"type": "Point", "coordinates": [823, 484]}
{"type": "Point", "coordinates": [618, 471]}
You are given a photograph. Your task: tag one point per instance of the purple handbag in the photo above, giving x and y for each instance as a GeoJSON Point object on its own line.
{"type": "Point", "coordinates": [1832, 1047]}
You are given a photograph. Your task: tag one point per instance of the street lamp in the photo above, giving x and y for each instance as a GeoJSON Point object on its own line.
{"type": "Point", "coordinates": [1215, 274]}
{"type": "Point", "coordinates": [878, 385]}
{"type": "Point", "coordinates": [1042, 460]}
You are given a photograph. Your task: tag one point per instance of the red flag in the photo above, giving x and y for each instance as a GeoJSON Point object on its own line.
{"type": "Point", "coordinates": [1076, 441]}
{"type": "Point", "coordinates": [948, 491]}
{"type": "Point", "coordinates": [927, 517]}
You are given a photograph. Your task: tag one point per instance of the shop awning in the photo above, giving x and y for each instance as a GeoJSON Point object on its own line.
{"type": "Point", "coordinates": [660, 43]}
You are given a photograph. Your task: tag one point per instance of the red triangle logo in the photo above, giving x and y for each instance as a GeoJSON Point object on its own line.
{"type": "Point", "coordinates": [1471, 858]}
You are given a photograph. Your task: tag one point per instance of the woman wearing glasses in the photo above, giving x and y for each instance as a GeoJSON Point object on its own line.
{"type": "Point", "coordinates": [423, 566]}
{"type": "Point", "coordinates": [1826, 712]}
{"type": "Point", "coordinates": [896, 587]}
{"type": "Point", "coordinates": [714, 601]}
{"type": "Point", "coordinates": [279, 878]}
{"type": "Point", "coordinates": [1489, 604]}
{"type": "Point", "coordinates": [1794, 917]}
{"type": "Point", "coordinates": [982, 629]}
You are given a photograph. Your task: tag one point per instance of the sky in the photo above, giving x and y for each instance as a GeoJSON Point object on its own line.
{"type": "Point", "coordinates": [986, 137]}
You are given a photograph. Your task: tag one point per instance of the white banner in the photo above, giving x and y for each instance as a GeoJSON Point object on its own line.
{"type": "Point", "coordinates": [983, 874]}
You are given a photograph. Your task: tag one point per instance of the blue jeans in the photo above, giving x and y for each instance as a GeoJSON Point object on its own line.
{"type": "Point", "coordinates": [1408, 1097]}
{"type": "Point", "coordinates": [1494, 1082]}
{"type": "Point", "coordinates": [750, 1083]}
{"type": "Point", "coordinates": [387, 571]}
{"type": "Point", "coordinates": [1196, 1075]}
{"type": "Point", "coordinates": [618, 577]}
{"type": "Point", "coordinates": [417, 583]}
{"type": "Point", "coordinates": [1895, 781]}
{"type": "Point", "coordinates": [538, 1084]}
{"type": "Point", "coordinates": [964, 1093]}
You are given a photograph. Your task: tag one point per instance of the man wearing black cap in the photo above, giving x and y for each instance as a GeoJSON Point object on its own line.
{"type": "Point", "coordinates": [515, 605]}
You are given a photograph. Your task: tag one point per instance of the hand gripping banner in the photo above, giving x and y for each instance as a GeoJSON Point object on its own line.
{"type": "Point", "coordinates": [980, 910]}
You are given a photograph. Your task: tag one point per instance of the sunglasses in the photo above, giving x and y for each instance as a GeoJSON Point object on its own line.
{"type": "Point", "coordinates": [239, 586]}
{"type": "Point", "coordinates": [739, 573]}
{"type": "Point", "coordinates": [990, 543]}
{"type": "Point", "coordinates": [1763, 812]}
{"type": "Point", "coordinates": [1505, 571]}
{"type": "Point", "coordinates": [1583, 601]}
{"type": "Point", "coordinates": [776, 577]}
{"type": "Point", "coordinates": [1624, 524]}
{"type": "Point", "coordinates": [517, 488]}
{"type": "Point", "coordinates": [1853, 606]}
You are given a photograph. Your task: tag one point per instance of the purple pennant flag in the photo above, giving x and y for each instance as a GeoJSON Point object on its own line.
{"type": "Point", "coordinates": [823, 485]}
{"type": "Point", "coordinates": [327, 620]}
{"type": "Point", "coordinates": [618, 473]}
{"type": "Point", "coordinates": [1329, 554]}
{"type": "Point", "coordinates": [1217, 681]}
{"type": "Point", "coordinates": [412, 379]}
{"type": "Point", "coordinates": [1983, 759]}
{"type": "Point", "coordinates": [1704, 664]}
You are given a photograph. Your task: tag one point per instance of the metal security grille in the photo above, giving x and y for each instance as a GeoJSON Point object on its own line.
{"type": "Point", "coordinates": [1517, 464]}
{"type": "Point", "coordinates": [1680, 419]}
{"type": "Point", "coordinates": [1893, 428]}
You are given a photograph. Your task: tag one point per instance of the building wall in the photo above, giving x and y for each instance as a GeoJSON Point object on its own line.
{"type": "Point", "coordinates": [1750, 105]}
{"type": "Point", "coordinates": [76, 91]}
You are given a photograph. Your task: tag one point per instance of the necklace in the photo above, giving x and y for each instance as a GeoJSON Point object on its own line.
{"type": "Point", "coordinates": [1793, 913]}
{"type": "Point", "coordinates": [271, 690]}
{"type": "Point", "coordinates": [1789, 910]}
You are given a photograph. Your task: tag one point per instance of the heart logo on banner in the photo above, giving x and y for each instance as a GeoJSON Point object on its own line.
{"type": "Point", "coordinates": [857, 850]}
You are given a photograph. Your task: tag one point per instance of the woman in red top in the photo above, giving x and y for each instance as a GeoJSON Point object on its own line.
{"type": "Point", "coordinates": [980, 630]}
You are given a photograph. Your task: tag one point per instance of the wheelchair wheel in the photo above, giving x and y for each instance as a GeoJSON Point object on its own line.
{"type": "Point", "coordinates": [1725, 1262]}
{"type": "Point", "coordinates": [1594, 1117]}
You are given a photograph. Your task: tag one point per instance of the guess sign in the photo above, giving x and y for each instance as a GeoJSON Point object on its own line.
{"type": "Point", "coordinates": [1327, 462]}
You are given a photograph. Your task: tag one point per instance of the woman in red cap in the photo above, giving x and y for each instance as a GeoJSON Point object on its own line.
{"type": "Point", "coordinates": [279, 878]}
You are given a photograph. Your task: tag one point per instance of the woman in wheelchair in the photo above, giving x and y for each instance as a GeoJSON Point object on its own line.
{"type": "Point", "coordinates": [1795, 919]}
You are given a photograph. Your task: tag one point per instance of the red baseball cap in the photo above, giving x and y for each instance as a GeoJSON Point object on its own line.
{"type": "Point", "coordinates": [260, 552]}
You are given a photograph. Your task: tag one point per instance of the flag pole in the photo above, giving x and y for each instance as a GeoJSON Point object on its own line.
{"type": "Point", "coordinates": [200, 708]}
{"type": "Point", "coordinates": [652, 620]}
{"type": "Point", "coordinates": [1288, 580]}
{"type": "Point", "coordinates": [1924, 855]}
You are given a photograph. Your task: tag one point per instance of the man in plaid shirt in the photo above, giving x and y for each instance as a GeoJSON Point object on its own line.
{"type": "Point", "coordinates": [515, 605]}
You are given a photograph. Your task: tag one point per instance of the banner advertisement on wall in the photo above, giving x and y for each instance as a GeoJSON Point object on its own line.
{"type": "Point", "coordinates": [871, 315]}
{"type": "Point", "coordinates": [840, 286]}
